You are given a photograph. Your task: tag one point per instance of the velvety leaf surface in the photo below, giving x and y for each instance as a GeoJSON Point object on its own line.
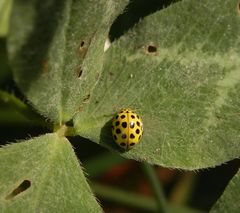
{"type": "Point", "coordinates": [43, 175]}
{"type": "Point", "coordinates": [229, 201]}
{"type": "Point", "coordinates": [179, 69]}
{"type": "Point", "coordinates": [56, 51]}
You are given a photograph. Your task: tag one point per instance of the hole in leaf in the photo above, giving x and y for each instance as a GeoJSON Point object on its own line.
{"type": "Point", "coordinates": [86, 98]}
{"type": "Point", "coordinates": [151, 49]}
{"type": "Point", "coordinates": [21, 188]}
{"type": "Point", "coordinates": [79, 72]}
{"type": "Point", "coordinates": [82, 48]}
{"type": "Point", "coordinates": [82, 43]}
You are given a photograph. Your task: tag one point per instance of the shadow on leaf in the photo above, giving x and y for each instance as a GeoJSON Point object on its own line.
{"type": "Point", "coordinates": [106, 139]}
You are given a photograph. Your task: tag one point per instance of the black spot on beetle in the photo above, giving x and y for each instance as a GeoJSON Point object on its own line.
{"type": "Point", "coordinates": [137, 131]}
{"type": "Point", "coordinates": [123, 144]}
{"type": "Point", "coordinates": [132, 116]}
{"type": "Point", "coordinates": [132, 136]}
{"type": "Point", "coordinates": [132, 144]}
{"type": "Point", "coordinates": [117, 123]}
{"type": "Point", "coordinates": [138, 123]}
{"type": "Point", "coordinates": [124, 124]}
{"type": "Point", "coordinates": [124, 136]}
{"type": "Point", "coordinates": [118, 131]}
{"type": "Point", "coordinates": [122, 116]}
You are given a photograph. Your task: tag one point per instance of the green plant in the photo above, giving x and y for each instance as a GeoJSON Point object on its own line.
{"type": "Point", "coordinates": [178, 67]}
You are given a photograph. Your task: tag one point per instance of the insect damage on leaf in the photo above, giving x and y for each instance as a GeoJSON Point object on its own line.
{"type": "Point", "coordinates": [151, 49]}
{"type": "Point", "coordinates": [21, 188]}
{"type": "Point", "coordinates": [82, 49]}
{"type": "Point", "coordinates": [79, 72]}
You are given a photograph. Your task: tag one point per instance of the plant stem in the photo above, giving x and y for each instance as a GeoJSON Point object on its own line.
{"type": "Point", "coordinates": [156, 188]}
{"type": "Point", "coordinates": [183, 189]}
{"type": "Point", "coordinates": [127, 198]}
{"type": "Point", "coordinates": [134, 200]}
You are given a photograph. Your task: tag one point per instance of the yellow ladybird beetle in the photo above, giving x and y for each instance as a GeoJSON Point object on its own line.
{"type": "Point", "coordinates": [127, 129]}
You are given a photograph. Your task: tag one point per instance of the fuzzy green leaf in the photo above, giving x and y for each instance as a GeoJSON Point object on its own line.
{"type": "Point", "coordinates": [43, 175]}
{"type": "Point", "coordinates": [229, 201]}
{"type": "Point", "coordinates": [179, 69]}
{"type": "Point", "coordinates": [56, 50]}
